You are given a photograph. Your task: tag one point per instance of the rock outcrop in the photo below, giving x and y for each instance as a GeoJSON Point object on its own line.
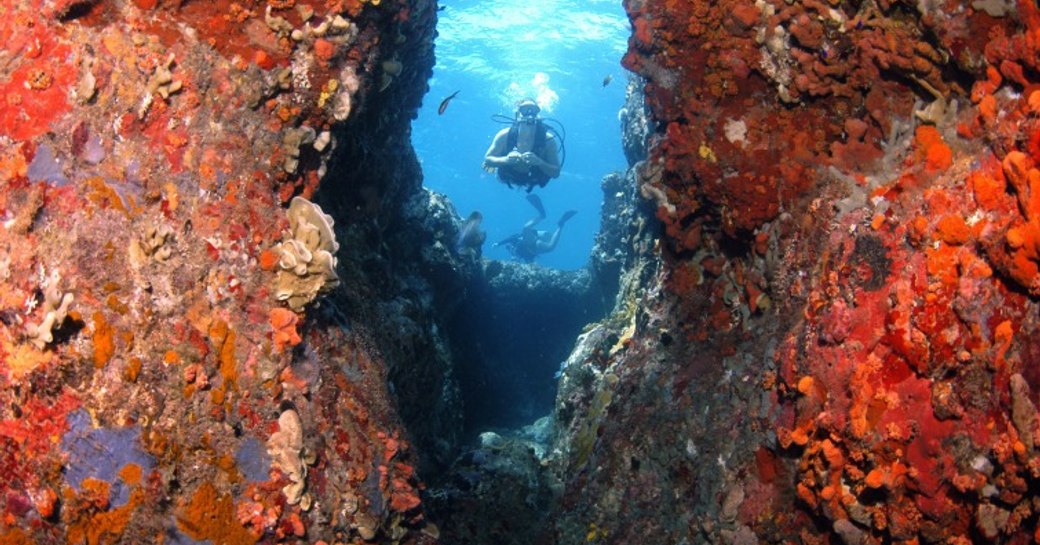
{"type": "Point", "coordinates": [820, 283]}
{"type": "Point", "coordinates": [172, 368]}
{"type": "Point", "coordinates": [846, 312]}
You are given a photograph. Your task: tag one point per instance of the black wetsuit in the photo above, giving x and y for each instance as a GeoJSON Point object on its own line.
{"type": "Point", "coordinates": [525, 175]}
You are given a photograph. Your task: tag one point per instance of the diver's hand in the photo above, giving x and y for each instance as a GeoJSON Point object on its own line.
{"type": "Point", "coordinates": [514, 158]}
{"type": "Point", "coordinates": [529, 158]}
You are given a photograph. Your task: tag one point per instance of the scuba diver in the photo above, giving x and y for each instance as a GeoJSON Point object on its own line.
{"type": "Point", "coordinates": [525, 152]}
{"type": "Point", "coordinates": [530, 242]}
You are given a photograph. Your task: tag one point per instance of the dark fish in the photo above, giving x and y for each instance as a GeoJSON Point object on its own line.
{"type": "Point", "coordinates": [470, 236]}
{"type": "Point", "coordinates": [444, 103]}
{"type": "Point", "coordinates": [441, 8]}
{"type": "Point", "coordinates": [608, 79]}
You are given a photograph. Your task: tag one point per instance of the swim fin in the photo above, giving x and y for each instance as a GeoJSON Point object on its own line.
{"type": "Point", "coordinates": [566, 216]}
{"type": "Point", "coordinates": [537, 204]}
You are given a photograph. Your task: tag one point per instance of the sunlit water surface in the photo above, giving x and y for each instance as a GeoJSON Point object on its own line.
{"type": "Point", "coordinates": [496, 52]}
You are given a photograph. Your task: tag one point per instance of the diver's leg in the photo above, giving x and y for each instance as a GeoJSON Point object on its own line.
{"type": "Point", "coordinates": [549, 245]}
{"type": "Point", "coordinates": [537, 204]}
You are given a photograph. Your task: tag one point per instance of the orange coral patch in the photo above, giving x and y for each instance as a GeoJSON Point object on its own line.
{"type": "Point", "coordinates": [918, 230]}
{"type": "Point", "coordinates": [800, 435]}
{"type": "Point", "coordinates": [284, 323]}
{"type": "Point", "coordinates": [942, 263]}
{"type": "Point", "coordinates": [324, 49]}
{"type": "Point", "coordinates": [805, 385]}
{"type": "Point", "coordinates": [268, 260]}
{"type": "Point", "coordinates": [133, 369]}
{"type": "Point", "coordinates": [131, 474]}
{"type": "Point", "coordinates": [939, 157]}
{"type": "Point", "coordinates": [1020, 171]}
{"type": "Point", "coordinates": [988, 109]}
{"type": "Point", "coordinates": [932, 149]}
{"type": "Point", "coordinates": [104, 343]}
{"type": "Point", "coordinates": [89, 520]}
{"type": "Point", "coordinates": [989, 190]}
{"type": "Point", "coordinates": [45, 503]}
{"type": "Point", "coordinates": [210, 515]}
{"type": "Point", "coordinates": [20, 360]}
{"type": "Point", "coordinates": [15, 536]}
{"type": "Point", "coordinates": [806, 495]}
{"type": "Point", "coordinates": [875, 479]}
{"type": "Point", "coordinates": [832, 454]}
{"type": "Point", "coordinates": [953, 230]}
{"type": "Point", "coordinates": [1002, 341]}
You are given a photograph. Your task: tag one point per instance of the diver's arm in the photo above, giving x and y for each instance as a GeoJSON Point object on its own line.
{"type": "Point", "coordinates": [550, 163]}
{"type": "Point", "coordinates": [511, 239]}
{"type": "Point", "coordinates": [497, 155]}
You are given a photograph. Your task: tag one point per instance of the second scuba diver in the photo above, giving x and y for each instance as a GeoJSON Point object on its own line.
{"type": "Point", "coordinates": [530, 242]}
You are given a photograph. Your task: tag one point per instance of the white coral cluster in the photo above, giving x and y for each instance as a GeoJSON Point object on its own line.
{"type": "Point", "coordinates": [55, 308]}
{"type": "Point", "coordinates": [285, 447]}
{"type": "Point", "coordinates": [306, 258]}
{"type": "Point", "coordinates": [154, 244]}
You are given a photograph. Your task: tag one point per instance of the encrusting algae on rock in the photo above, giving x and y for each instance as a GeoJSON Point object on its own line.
{"type": "Point", "coordinates": [147, 150]}
{"type": "Point", "coordinates": [210, 515]}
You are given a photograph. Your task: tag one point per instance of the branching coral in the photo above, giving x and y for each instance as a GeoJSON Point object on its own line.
{"type": "Point", "coordinates": [161, 83]}
{"type": "Point", "coordinates": [55, 308]}
{"type": "Point", "coordinates": [306, 258]}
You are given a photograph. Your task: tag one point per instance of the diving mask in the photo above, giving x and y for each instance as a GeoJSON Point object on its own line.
{"type": "Point", "coordinates": [528, 110]}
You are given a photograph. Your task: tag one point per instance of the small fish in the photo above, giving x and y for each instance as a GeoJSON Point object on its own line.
{"type": "Point", "coordinates": [608, 79]}
{"type": "Point", "coordinates": [441, 8]}
{"type": "Point", "coordinates": [470, 236]}
{"type": "Point", "coordinates": [444, 103]}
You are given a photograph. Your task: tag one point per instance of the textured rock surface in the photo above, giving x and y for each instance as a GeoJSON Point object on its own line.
{"type": "Point", "coordinates": [154, 388]}
{"type": "Point", "coordinates": [827, 283]}
{"type": "Point", "coordinates": [517, 324]}
{"type": "Point", "coordinates": [841, 346]}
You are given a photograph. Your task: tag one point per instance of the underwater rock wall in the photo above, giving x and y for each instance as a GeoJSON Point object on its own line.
{"type": "Point", "coordinates": [841, 345]}
{"type": "Point", "coordinates": [175, 365]}
{"type": "Point", "coordinates": [517, 323]}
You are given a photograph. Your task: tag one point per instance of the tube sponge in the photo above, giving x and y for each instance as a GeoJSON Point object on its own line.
{"type": "Point", "coordinates": [306, 256]}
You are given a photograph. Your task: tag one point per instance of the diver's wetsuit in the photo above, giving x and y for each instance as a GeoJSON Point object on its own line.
{"type": "Point", "coordinates": [530, 242]}
{"type": "Point", "coordinates": [525, 175]}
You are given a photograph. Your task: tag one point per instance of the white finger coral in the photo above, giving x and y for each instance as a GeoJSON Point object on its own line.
{"type": "Point", "coordinates": [55, 309]}
{"type": "Point", "coordinates": [306, 258]}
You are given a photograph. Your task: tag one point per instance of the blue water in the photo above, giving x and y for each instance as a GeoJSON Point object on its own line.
{"type": "Point", "coordinates": [495, 52]}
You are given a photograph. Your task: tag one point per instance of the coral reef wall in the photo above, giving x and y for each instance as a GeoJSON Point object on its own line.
{"type": "Point", "coordinates": [191, 349]}
{"type": "Point", "coordinates": [841, 345]}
